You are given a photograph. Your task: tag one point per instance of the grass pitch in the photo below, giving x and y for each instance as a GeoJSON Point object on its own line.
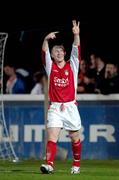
{"type": "Point", "coordinates": [90, 170]}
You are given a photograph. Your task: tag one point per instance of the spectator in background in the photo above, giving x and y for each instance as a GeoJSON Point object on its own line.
{"type": "Point", "coordinates": [39, 83]}
{"type": "Point", "coordinates": [86, 78]}
{"type": "Point", "coordinates": [14, 84]}
{"type": "Point", "coordinates": [110, 84]}
{"type": "Point", "coordinates": [100, 71]}
{"type": "Point", "coordinates": [82, 77]}
{"type": "Point", "coordinates": [93, 62]}
{"type": "Point", "coordinates": [26, 77]}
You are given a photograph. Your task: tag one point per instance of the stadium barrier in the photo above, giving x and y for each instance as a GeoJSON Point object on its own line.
{"type": "Point", "coordinates": [24, 116]}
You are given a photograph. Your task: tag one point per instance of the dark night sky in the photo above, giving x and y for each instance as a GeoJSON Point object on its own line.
{"type": "Point", "coordinates": [27, 24]}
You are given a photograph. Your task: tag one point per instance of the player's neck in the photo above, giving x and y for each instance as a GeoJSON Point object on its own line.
{"type": "Point", "coordinates": [61, 64]}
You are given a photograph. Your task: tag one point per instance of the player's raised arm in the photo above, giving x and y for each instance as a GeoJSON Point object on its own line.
{"type": "Point", "coordinates": [76, 32]}
{"type": "Point", "coordinates": [51, 35]}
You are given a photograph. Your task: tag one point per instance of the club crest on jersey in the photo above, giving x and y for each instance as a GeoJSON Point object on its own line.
{"type": "Point", "coordinates": [66, 72]}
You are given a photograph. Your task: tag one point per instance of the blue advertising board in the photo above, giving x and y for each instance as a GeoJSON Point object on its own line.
{"type": "Point", "coordinates": [99, 132]}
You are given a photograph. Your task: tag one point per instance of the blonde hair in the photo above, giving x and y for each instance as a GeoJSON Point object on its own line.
{"type": "Point", "coordinates": [58, 46]}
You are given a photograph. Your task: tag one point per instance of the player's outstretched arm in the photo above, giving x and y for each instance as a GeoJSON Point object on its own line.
{"type": "Point", "coordinates": [51, 35]}
{"type": "Point", "coordinates": [76, 32]}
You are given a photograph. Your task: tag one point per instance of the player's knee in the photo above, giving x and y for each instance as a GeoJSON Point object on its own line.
{"type": "Point", "coordinates": [74, 136]}
{"type": "Point", "coordinates": [52, 137]}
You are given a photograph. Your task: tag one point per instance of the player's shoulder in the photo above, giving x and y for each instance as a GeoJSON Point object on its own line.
{"type": "Point", "coordinates": [67, 63]}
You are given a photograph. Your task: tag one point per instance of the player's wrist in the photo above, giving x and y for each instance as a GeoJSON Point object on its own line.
{"type": "Point", "coordinates": [76, 34]}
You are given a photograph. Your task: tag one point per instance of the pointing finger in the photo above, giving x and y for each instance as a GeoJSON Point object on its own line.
{"type": "Point", "coordinates": [56, 32]}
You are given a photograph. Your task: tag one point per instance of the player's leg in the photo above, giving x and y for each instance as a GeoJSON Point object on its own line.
{"type": "Point", "coordinates": [73, 125]}
{"type": "Point", "coordinates": [53, 134]}
{"type": "Point", "coordinates": [52, 137]}
{"type": "Point", "coordinates": [76, 149]}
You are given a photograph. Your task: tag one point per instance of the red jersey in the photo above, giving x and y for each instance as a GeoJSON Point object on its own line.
{"type": "Point", "coordinates": [62, 81]}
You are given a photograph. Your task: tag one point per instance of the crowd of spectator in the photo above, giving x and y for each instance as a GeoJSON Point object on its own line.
{"type": "Point", "coordinates": [96, 76]}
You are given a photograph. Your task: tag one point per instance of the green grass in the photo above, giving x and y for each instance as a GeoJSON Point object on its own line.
{"type": "Point", "coordinates": [90, 170]}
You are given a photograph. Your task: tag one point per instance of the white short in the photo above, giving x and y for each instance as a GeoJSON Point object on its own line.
{"type": "Point", "coordinates": [67, 118]}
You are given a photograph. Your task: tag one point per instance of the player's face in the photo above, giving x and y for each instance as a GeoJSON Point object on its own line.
{"type": "Point", "coordinates": [110, 68]}
{"type": "Point", "coordinates": [8, 70]}
{"type": "Point", "coordinates": [58, 54]}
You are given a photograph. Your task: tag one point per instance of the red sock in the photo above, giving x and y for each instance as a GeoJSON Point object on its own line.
{"type": "Point", "coordinates": [76, 148]}
{"type": "Point", "coordinates": [50, 152]}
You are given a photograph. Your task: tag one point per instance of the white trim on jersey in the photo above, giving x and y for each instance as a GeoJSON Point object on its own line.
{"type": "Point", "coordinates": [48, 62]}
{"type": "Point", "coordinates": [74, 61]}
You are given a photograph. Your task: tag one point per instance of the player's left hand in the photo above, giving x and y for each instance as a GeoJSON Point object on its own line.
{"type": "Point", "coordinates": [75, 28]}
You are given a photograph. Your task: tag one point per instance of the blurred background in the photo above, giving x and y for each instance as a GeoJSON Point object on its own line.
{"type": "Point", "coordinates": [28, 23]}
